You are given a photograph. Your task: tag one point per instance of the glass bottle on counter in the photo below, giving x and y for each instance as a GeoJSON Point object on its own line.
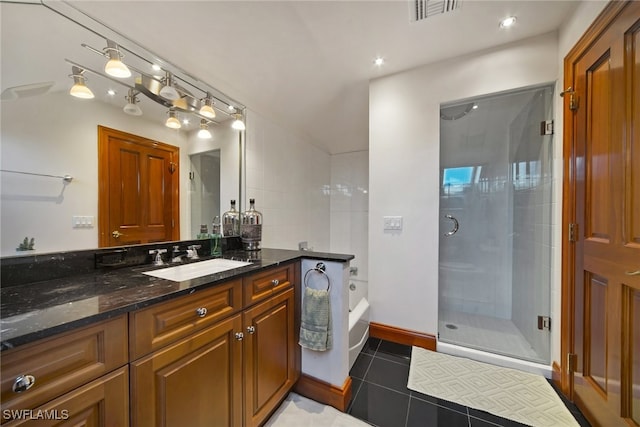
{"type": "Point", "coordinates": [216, 244]}
{"type": "Point", "coordinates": [251, 228]}
{"type": "Point", "coordinates": [231, 221]}
{"type": "Point", "coordinates": [204, 232]}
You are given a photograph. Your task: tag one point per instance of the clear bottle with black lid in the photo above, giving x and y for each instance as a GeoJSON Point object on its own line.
{"type": "Point", "coordinates": [231, 221]}
{"type": "Point", "coordinates": [251, 228]}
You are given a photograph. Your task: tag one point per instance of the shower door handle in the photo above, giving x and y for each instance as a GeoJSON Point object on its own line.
{"type": "Point", "coordinates": [455, 226]}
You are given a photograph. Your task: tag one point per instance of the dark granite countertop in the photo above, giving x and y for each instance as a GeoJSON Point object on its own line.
{"type": "Point", "coordinates": [37, 310]}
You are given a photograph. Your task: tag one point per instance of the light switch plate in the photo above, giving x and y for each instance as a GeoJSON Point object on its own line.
{"type": "Point", "coordinates": [392, 223]}
{"type": "Point", "coordinates": [82, 221]}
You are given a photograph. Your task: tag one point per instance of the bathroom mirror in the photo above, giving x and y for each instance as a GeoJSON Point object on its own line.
{"type": "Point", "coordinates": [47, 134]}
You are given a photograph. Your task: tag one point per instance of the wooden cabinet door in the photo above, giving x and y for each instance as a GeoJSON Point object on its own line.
{"type": "Point", "coordinates": [270, 368]}
{"type": "Point", "coordinates": [605, 135]}
{"type": "Point", "coordinates": [101, 403]}
{"type": "Point", "coordinates": [196, 382]}
{"type": "Point", "coordinates": [138, 200]}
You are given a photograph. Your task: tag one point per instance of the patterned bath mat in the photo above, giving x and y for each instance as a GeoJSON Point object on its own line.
{"type": "Point", "coordinates": [508, 393]}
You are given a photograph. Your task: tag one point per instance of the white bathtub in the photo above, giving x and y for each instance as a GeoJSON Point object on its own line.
{"type": "Point", "coordinates": [358, 318]}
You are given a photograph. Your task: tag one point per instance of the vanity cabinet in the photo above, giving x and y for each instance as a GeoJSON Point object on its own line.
{"type": "Point", "coordinates": [230, 365]}
{"type": "Point", "coordinates": [73, 377]}
{"type": "Point", "coordinates": [226, 355]}
{"type": "Point", "coordinates": [196, 381]}
{"type": "Point", "coordinates": [271, 367]}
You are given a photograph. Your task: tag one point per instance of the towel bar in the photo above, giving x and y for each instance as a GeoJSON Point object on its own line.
{"type": "Point", "coordinates": [319, 268]}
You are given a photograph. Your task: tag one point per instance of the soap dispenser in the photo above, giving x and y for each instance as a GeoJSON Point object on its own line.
{"type": "Point", "coordinates": [251, 228]}
{"type": "Point", "coordinates": [216, 246]}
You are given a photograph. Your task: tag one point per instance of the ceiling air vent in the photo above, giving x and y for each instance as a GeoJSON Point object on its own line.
{"type": "Point", "coordinates": [423, 9]}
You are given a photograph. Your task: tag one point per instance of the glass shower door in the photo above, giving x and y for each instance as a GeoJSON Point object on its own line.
{"type": "Point", "coordinates": [495, 223]}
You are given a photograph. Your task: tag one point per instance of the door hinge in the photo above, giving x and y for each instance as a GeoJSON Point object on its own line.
{"type": "Point", "coordinates": [546, 127]}
{"type": "Point", "coordinates": [173, 223]}
{"type": "Point", "coordinates": [192, 176]}
{"type": "Point", "coordinates": [572, 361]}
{"type": "Point", "coordinates": [573, 232]}
{"type": "Point", "coordinates": [544, 323]}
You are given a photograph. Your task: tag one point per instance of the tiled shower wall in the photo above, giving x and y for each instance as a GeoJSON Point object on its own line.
{"type": "Point", "coordinates": [288, 177]}
{"type": "Point", "coordinates": [349, 192]}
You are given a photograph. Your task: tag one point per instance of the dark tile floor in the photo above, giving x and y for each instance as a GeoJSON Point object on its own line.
{"type": "Point", "coordinates": [380, 395]}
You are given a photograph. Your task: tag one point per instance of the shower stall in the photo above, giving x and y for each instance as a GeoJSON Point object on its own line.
{"type": "Point", "coordinates": [496, 224]}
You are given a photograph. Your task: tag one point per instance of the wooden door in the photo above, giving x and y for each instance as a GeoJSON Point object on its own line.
{"type": "Point", "coordinates": [139, 195]}
{"type": "Point", "coordinates": [269, 356]}
{"type": "Point", "coordinates": [196, 382]}
{"type": "Point", "coordinates": [602, 202]}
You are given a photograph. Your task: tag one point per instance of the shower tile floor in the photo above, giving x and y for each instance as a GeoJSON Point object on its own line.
{"type": "Point", "coordinates": [485, 333]}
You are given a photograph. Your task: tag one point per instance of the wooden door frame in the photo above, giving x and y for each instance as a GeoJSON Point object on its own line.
{"type": "Point", "coordinates": [103, 180]}
{"type": "Point", "coordinates": [569, 196]}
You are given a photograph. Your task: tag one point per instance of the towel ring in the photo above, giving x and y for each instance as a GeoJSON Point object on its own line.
{"type": "Point", "coordinates": [319, 268]}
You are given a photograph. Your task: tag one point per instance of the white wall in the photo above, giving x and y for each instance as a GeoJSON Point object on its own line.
{"type": "Point", "coordinates": [350, 209]}
{"type": "Point", "coordinates": [404, 168]}
{"type": "Point", "coordinates": [289, 179]}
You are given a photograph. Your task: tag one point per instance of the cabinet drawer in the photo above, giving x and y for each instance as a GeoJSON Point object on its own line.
{"type": "Point", "coordinates": [63, 362]}
{"type": "Point", "coordinates": [263, 285]}
{"type": "Point", "coordinates": [162, 324]}
{"type": "Point", "coordinates": [105, 399]}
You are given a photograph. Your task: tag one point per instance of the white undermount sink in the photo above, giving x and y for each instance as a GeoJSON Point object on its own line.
{"type": "Point", "coordinates": [196, 269]}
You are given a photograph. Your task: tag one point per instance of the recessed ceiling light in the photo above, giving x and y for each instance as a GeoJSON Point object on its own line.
{"type": "Point", "coordinates": [111, 92]}
{"type": "Point", "coordinates": [378, 61]}
{"type": "Point", "coordinates": [508, 22]}
{"type": "Point", "coordinates": [475, 106]}
{"type": "Point", "coordinates": [156, 67]}
{"type": "Point", "coordinates": [185, 121]}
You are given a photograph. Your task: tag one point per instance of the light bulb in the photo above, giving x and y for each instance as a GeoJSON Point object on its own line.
{"type": "Point", "coordinates": [170, 93]}
{"type": "Point", "coordinates": [115, 67]}
{"type": "Point", "coordinates": [132, 109]}
{"type": "Point", "coordinates": [172, 122]}
{"type": "Point", "coordinates": [206, 109]}
{"type": "Point", "coordinates": [508, 22]}
{"type": "Point", "coordinates": [204, 133]}
{"type": "Point", "coordinates": [79, 88]}
{"type": "Point", "coordinates": [238, 124]}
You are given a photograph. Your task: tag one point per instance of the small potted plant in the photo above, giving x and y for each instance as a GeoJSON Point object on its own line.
{"type": "Point", "coordinates": [26, 245]}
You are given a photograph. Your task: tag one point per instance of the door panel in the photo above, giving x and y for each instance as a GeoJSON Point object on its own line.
{"type": "Point", "coordinates": [603, 198]}
{"type": "Point", "coordinates": [139, 194]}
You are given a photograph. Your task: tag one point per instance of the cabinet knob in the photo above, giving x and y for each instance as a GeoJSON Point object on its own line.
{"type": "Point", "coordinates": [239, 336]}
{"type": "Point", "coordinates": [275, 282]}
{"type": "Point", "coordinates": [23, 383]}
{"type": "Point", "coordinates": [201, 311]}
{"type": "Point", "coordinates": [251, 329]}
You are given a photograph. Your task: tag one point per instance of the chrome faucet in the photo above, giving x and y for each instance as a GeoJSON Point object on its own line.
{"type": "Point", "coordinates": [192, 251]}
{"type": "Point", "coordinates": [157, 260]}
{"type": "Point", "coordinates": [177, 254]}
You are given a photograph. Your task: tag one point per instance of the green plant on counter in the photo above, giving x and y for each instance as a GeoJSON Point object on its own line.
{"type": "Point", "coordinates": [26, 245]}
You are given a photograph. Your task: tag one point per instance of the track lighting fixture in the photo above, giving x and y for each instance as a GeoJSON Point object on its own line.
{"type": "Point", "coordinates": [172, 121]}
{"type": "Point", "coordinates": [168, 91]}
{"type": "Point", "coordinates": [207, 108]}
{"type": "Point", "coordinates": [204, 133]}
{"type": "Point", "coordinates": [79, 88]}
{"type": "Point", "coordinates": [115, 67]}
{"type": "Point", "coordinates": [131, 107]}
{"type": "Point", "coordinates": [238, 124]}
